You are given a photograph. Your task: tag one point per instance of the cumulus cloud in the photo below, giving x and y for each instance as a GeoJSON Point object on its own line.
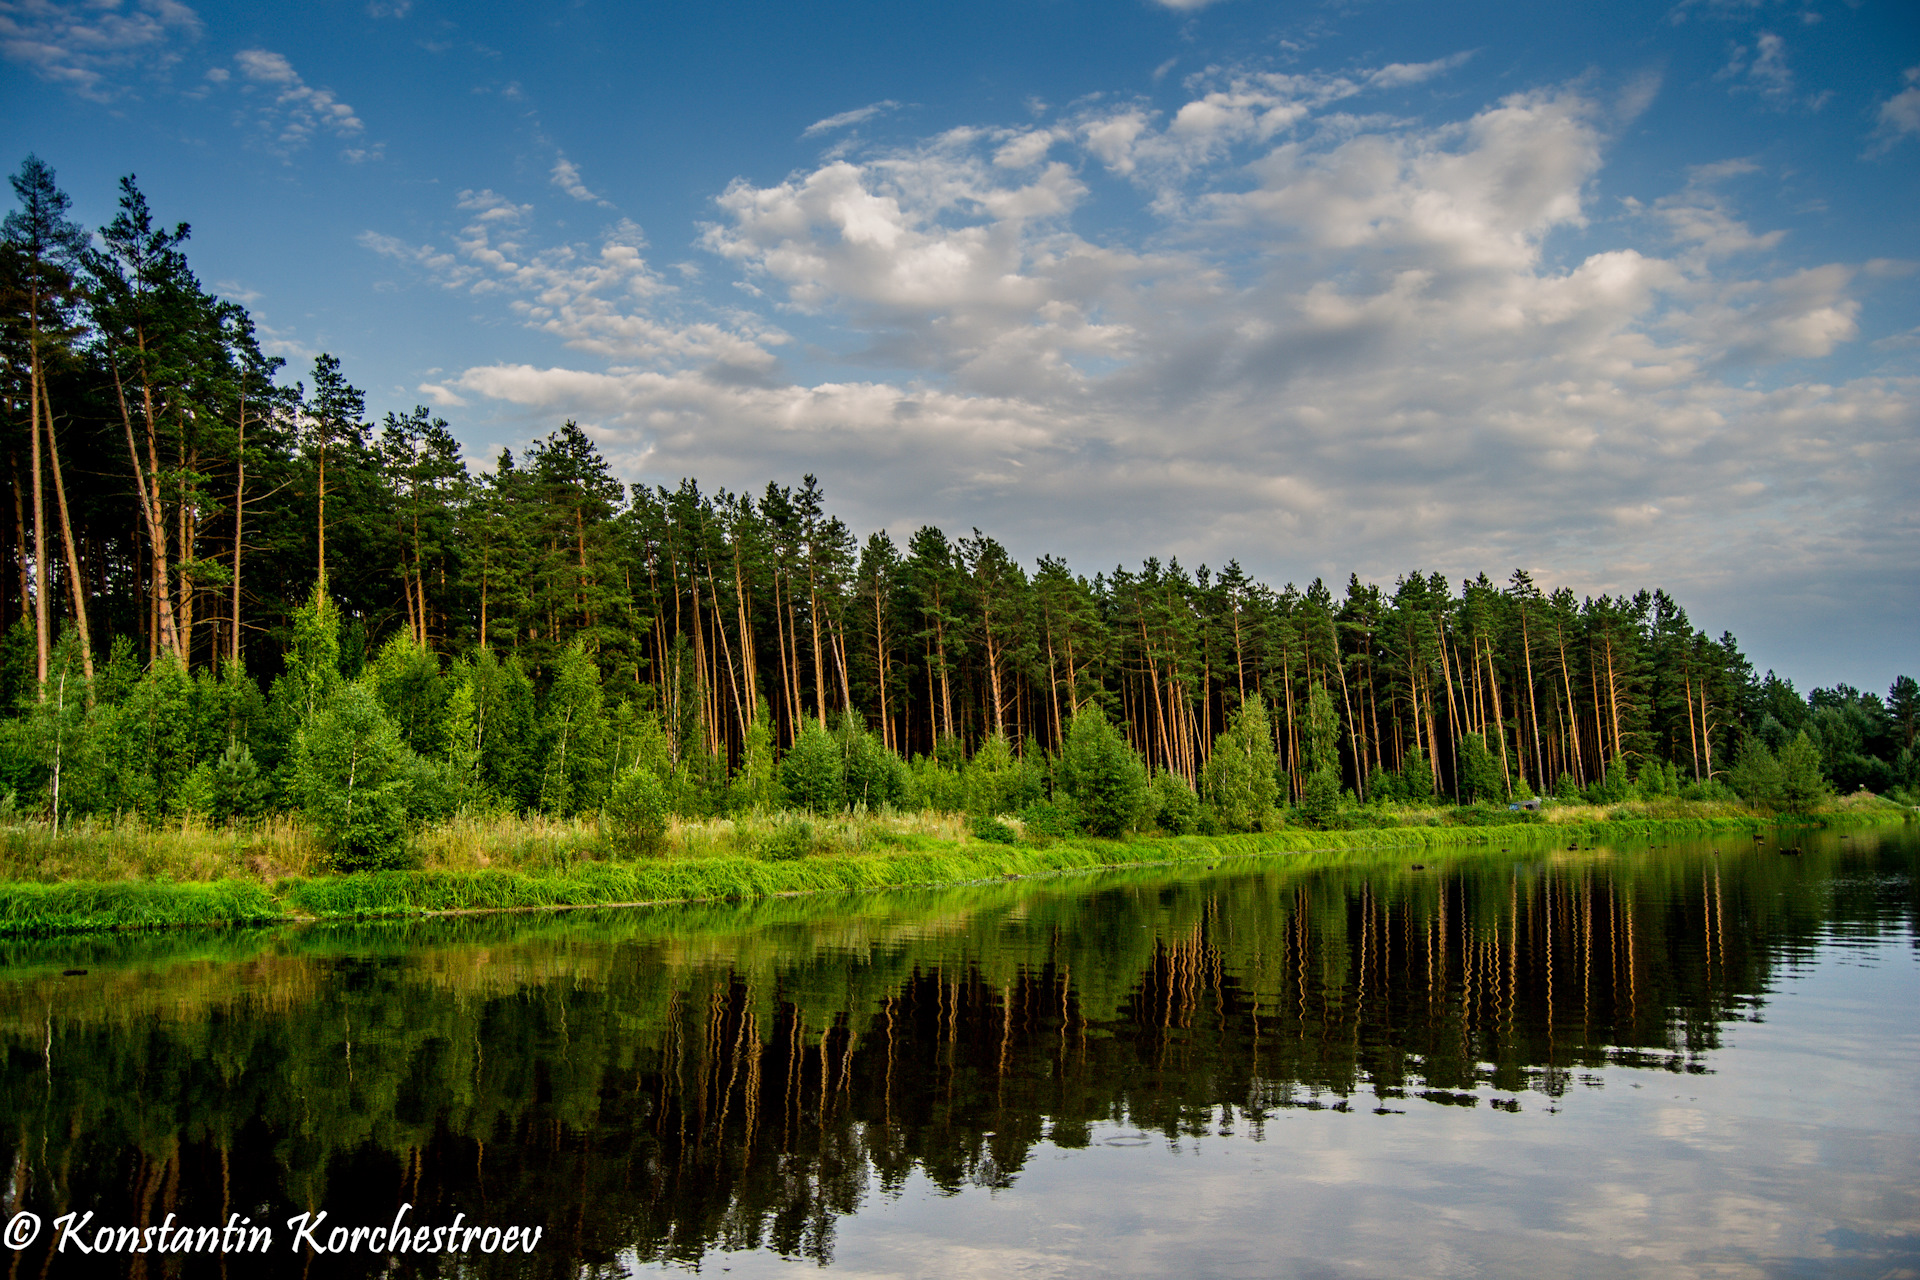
{"type": "Point", "coordinates": [84, 45]}
{"type": "Point", "coordinates": [1345, 340]}
{"type": "Point", "coordinates": [289, 111]}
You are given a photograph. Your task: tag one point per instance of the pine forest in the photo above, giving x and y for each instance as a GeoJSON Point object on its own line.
{"type": "Point", "coordinates": [228, 587]}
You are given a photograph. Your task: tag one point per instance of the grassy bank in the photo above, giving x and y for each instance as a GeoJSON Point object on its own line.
{"type": "Point", "coordinates": [270, 875]}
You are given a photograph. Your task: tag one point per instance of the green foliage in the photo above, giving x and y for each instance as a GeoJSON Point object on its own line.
{"type": "Point", "coordinates": [149, 743]}
{"type": "Point", "coordinates": [1416, 778]}
{"type": "Point", "coordinates": [1565, 789]}
{"type": "Point", "coordinates": [313, 660]}
{"type": "Point", "coordinates": [757, 782]}
{"type": "Point", "coordinates": [414, 693]}
{"type": "Point", "coordinates": [1175, 805]}
{"type": "Point", "coordinates": [503, 744]}
{"type": "Point", "coordinates": [229, 787]}
{"type": "Point", "coordinates": [996, 781]}
{"type": "Point", "coordinates": [1103, 775]}
{"type": "Point", "coordinates": [936, 786]}
{"type": "Point", "coordinates": [1802, 784]}
{"type": "Point", "coordinates": [1046, 819]}
{"type": "Point", "coordinates": [353, 778]}
{"type": "Point", "coordinates": [572, 735]}
{"type": "Point", "coordinates": [1239, 781]}
{"type": "Point", "coordinates": [788, 842]}
{"type": "Point", "coordinates": [871, 776]}
{"type": "Point", "coordinates": [636, 812]}
{"type": "Point", "coordinates": [1755, 775]}
{"type": "Point", "coordinates": [813, 772]}
{"type": "Point", "coordinates": [1657, 779]}
{"type": "Point", "coordinates": [993, 831]}
{"type": "Point", "coordinates": [1323, 732]}
{"type": "Point", "coordinates": [1480, 780]}
{"type": "Point", "coordinates": [1616, 788]}
{"type": "Point", "coordinates": [1320, 800]}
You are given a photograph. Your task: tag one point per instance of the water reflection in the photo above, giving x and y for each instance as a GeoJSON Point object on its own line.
{"type": "Point", "coordinates": [656, 1086]}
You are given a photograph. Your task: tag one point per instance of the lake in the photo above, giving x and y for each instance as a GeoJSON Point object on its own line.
{"type": "Point", "coordinates": [1697, 1058]}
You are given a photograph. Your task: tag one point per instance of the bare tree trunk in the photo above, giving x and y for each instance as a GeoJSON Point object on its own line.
{"type": "Point", "coordinates": [1533, 710]}
{"type": "Point", "coordinates": [1573, 715]}
{"type": "Point", "coordinates": [163, 632]}
{"type": "Point", "coordinates": [239, 529]}
{"type": "Point", "coordinates": [20, 535]}
{"type": "Point", "coordinates": [76, 580]}
{"type": "Point", "coordinates": [40, 637]}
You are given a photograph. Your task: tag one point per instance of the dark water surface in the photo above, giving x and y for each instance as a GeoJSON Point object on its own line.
{"type": "Point", "coordinates": [1698, 1059]}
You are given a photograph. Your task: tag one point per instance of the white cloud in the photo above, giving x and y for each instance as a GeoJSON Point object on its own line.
{"type": "Point", "coordinates": [1396, 74]}
{"type": "Point", "coordinates": [294, 110]}
{"type": "Point", "coordinates": [1900, 114]}
{"type": "Point", "coordinates": [1345, 341]}
{"type": "Point", "coordinates": [847, 119]}
{"type": "Point", "coordinates": [600, 299]}
{"type": "Point", "coordinates": [1762, 69]}
{"type": "Point", "coordinates": [566, 176]}
{"type": "Point", "coordinates": [82, 45]}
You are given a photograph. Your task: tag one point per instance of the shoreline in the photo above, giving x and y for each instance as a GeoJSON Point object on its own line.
{"type": "Point", "coordinates": [30, 909]}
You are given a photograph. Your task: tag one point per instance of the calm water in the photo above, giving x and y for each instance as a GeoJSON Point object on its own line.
{"type": "Point", "coordinates": [1610, 1062]}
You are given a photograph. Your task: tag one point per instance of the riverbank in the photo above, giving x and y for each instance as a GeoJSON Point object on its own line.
{"type": "Point", "coordinates": [890, 861]}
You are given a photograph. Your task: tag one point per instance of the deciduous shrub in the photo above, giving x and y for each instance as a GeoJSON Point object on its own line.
{"type": "Point", "coordinates": [1103, 775]}
{"type": "Point", "coordinates": [636, 812]}
{"type": "Point", "coordinates": [812, 771]}
{"type": "Point", "coordinates": [352, 779]}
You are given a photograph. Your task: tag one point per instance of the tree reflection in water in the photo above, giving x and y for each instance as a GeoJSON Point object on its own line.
{"type": "Point", "coordinates": [657, 1085]}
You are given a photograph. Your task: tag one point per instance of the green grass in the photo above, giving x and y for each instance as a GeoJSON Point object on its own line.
{"type": "Point", "coordinates": [80, 905]}
{"type": "Point", "coordinates": [558, 865]}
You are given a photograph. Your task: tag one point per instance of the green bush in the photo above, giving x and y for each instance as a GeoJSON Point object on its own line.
{"type": "Point", "coordinates": [1480, 780]}
{"type": "Point", "coordinates": [229, 787]}
{"type": "Point", "coordinates": [994, 831]}
{"type": "Point", "coordinates": [1239, 779]}
{"type": "Point", "coordinates": [1044, 818]}
{"type": "Point", "coordinates": [636, 812]}
{"type": "Point", "coordinates": [1178, 808]}
{"type": "Point", "coordinates": [996, 781]}
{"type": "Point", "coordinates": [354, 777]}
{"type": "Point", "coordinates": [935, 786]}
{"type": "Point", "coordinates": [1802, 783]}
{"type": "Point", "coordinates": [1320, 800]}
{"type": "Point", "coordinates": [812, 771]}
{"type": "Point", "coordinates": [1103, 775]}
{"type": "Point", "coordinates": [787, 841]}
{"type": "Point", "coordinates": [756, 783]}
{"type": "Point", "coordinates": [871, 775]}
{"type": "Point", "coordinates": [1755, 775]}
{"type": "Point", "coordinates": [1416, 779]}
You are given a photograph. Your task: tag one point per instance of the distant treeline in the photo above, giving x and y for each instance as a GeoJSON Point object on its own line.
{"type": "Point", "coordinates": [173, 506]}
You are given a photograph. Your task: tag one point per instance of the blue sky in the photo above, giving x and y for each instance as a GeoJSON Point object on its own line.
{"type": "Point", "coordinates": [1625, 296]}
